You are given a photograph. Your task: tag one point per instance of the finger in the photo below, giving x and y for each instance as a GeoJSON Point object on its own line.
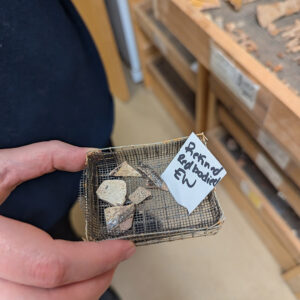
{"type": "Point", "coordinates": [100, 257]}
{"type": "Point", "coordinates": [24, 163]}
{"type": "Point", "coordinates": [30, 256]}
{"type": "Point", "coordinates": [89, 290]}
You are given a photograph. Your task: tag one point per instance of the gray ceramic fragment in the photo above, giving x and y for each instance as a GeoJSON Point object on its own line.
{"type": "Point", "coordinates": [119, 217]}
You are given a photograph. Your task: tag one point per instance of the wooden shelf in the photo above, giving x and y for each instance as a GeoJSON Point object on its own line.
{"type": "Point", "coordinates": [176, 54]}
{"type": "Point", "coordinates": [276, 108]}
{"type": "Point", "coordinates": [274, 211]}
{"type": "Point", "coordinates": [290, 191]}
{"type": "Point", "coordinates": [175, 95]}
{"type": "Point", "coordinates": [292, 278]}
{"type": "Point", "coordinates": [278, 152]}
{"type": "Point", "coordinates": [253, 217]}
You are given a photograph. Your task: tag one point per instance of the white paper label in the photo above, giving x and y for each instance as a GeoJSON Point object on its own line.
{"type": "Point", "coordinates": [280, 156]}
{"type": "Point", "coordinates": [268, 169]}
{"type": "Point", "coordinates": [242, 86]}
{"type": "Point", "coordinates": [193, 173]}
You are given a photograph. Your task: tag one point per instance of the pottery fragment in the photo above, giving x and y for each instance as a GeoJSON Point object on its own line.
{"type": "Point", "coordinates": [124, 169]}
{"type": "Point", "coordinates": [152, 176]}
{"type": "Point", "coordinates": [139, 195]}
{"type": "Point", "coordinates": [112, 191]}
{"type": "Point", "coordinates": [119, 217]}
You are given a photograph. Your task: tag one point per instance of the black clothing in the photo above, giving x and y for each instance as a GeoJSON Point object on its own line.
{"type": "Point", "coordinates": [52, 86]}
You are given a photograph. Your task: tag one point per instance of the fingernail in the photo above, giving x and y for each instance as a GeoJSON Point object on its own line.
{"type": "Point", "coordinates": [129, 252]}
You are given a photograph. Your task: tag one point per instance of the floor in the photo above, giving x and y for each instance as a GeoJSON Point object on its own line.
{"type": "Point", "coordinates": [234, 264]}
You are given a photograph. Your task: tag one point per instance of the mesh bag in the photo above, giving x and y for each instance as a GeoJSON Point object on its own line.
{"type": "Point", "coordinates": [157, 219]}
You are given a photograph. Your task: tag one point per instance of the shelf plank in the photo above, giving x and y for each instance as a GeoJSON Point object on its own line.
{"type": "Point", "coordinates": [177, 55]}
{"type": "Point", "coordinates": [260, 158]}
{"type": "Point", "coordinates": [252, 216]}
{"type": "Point", "coordinates": [259, 195]}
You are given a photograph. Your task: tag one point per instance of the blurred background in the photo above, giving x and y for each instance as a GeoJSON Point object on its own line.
{"type": "Point", "coordinates": [177, 66]}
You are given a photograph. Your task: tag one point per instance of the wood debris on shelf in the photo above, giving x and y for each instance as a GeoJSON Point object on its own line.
{"type": "Point", "coordinates": [272, 29]}
{"type": "Point", "coordinates": [280, 55]}
{"type": "Point", "coordinates": [205, 4]}
{"type": "Point", "coordinates": [269, 64]}
{"type": "Point", "coordinates": [241, 37]}
{"type": "Point", "coordinates": [268, 13]}
{"type": "Point", "coordinates": [278, 68]}
{"type": "Point", "coordinates": [292, 34]}
{"type": "Point", "coordinates": [237, 4]}
{"type": "Point", "coordinates": [275, 68]}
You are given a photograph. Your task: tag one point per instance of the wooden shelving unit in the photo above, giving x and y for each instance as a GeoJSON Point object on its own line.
{"type": "Point", "coordinates": [174, 94]}
{"type": "Point", "coordinates": [275, 109]}
{"type": "Point", "coordinates": [183, 68]}
{"type": "Point", "coordinates": [274, 211]}
{"type": "Point", "coordinates": [258, 156]}
{"type": "Point", "coordinates": [262, 117]}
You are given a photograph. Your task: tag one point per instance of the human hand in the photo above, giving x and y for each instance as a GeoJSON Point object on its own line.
{"type": "Point", "coordinates": [32, 264]}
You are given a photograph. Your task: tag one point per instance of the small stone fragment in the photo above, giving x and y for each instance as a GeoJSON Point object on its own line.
{"type": "Point", "coordinates": [250, 46]}
{"type": "Point", "coordinates": [119, 217]}
{"type": "Point", "coordinates": [139, 195]}
{"type": "Point", "coordinates": [230, 27]}
{"type": "Point", "coordinates": [237, 4]}
{"type": "Point", "coordinates": [112, 191]}
{"type": "Point", "coordinates": [280, 55]}
{"type": "Point", "coordinates": [269, 64]}
{"type": "Point", "coordinates": [272, 29]}
{"type": "Point", "coordinates": [269, 12]}
{"type": "Point", "coordinates": [124, 169]}
{"type": "Point", "coordinates": [278, 68]}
